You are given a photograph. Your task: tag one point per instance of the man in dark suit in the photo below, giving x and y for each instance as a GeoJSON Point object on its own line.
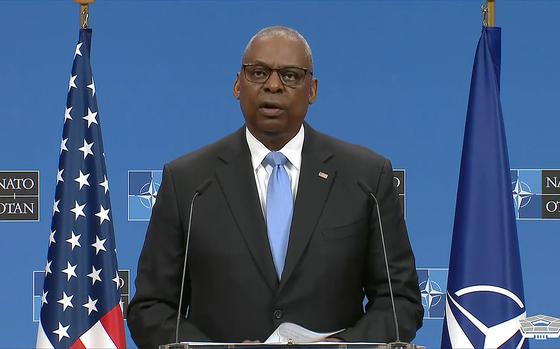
{"type": "Point", "coordinates": [256, 261]}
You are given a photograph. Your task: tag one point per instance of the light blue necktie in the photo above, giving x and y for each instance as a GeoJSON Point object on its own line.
{"type": "Point", "coordinates": [279, 208]}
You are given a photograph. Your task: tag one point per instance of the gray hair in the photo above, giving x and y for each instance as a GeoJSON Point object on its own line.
{"type": "Point", "coordinates": [285, 32]}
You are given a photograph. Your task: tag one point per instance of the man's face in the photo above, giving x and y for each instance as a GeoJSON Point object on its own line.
{"type": "Point", "coordinates": [274, 112]}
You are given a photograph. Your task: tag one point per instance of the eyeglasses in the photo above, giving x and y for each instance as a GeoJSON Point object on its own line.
{"type": "Point", "coordinates": [290, 76]}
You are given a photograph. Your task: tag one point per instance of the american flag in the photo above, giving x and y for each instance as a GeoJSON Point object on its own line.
{"type": "Point", "coordinates": [80, 305]}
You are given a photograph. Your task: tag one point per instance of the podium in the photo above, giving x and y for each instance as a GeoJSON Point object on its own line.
{"type": "Point", "coordinates": [322, 345]}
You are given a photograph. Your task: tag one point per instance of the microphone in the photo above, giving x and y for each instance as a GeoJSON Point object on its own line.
{"type": "Point", "coordinates": [398, 344]}
{"type": "Point", "coordinates": [198, 192]}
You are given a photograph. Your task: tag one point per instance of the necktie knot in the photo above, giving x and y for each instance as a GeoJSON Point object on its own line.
{"type": "Point", "coordinates": [275, 158]}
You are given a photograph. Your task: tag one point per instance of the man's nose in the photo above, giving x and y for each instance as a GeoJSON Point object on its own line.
{"type": "Point", "coordinates": [274, 83]}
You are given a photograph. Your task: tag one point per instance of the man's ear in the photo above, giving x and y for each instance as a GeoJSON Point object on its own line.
{"type": "Point", "coordinates": [313, 91]}
{"type": "Point", "coordinates": [236, 91]}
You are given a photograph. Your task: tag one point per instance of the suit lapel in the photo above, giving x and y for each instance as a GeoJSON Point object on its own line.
{"type": "Point", "coordinates": [237, 181]}
{"type": "Point", "coordinates": [315, 180]}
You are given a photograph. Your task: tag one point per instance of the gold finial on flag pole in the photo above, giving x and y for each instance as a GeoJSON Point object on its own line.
{"type": "Point", "coordinates": [84, 12]}
{"type": "Point", "coordinates": [489, 14]}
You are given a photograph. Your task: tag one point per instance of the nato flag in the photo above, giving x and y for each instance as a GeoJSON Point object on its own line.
{"type": "Point", "coordinates": [485, 288]}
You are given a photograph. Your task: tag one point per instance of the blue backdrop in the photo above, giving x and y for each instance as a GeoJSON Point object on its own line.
{"type": "Point", "coordinates": [393, 76]}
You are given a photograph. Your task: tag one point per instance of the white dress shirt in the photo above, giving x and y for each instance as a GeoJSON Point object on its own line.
{"type": "Point", "coordinates": [292, 151]}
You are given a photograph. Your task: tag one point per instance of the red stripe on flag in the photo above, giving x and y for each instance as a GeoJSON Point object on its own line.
{"type": "Point", "coordinates": [78, 345]}
{"type": "Point", "coordinates": [113, 323]}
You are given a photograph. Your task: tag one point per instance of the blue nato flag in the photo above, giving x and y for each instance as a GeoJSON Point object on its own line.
{"type": "Point", "coordinates": [485, 287]}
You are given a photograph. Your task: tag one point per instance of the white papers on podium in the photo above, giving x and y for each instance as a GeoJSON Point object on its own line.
{"type": "Point", "coordinates": [289, 332]}
{"type": "Point", "coordinates": [286, 333]}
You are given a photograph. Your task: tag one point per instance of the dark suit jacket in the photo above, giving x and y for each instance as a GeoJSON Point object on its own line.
{"type": "Point", "coordinates": [334, 255]}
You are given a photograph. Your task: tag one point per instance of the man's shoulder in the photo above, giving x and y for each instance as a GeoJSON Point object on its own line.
{"type": "Point", "coordinates": [209, 154]}
{"type": "Point", "coordinates": [354, 162]}
{"type": "Point", "coordinates": [348, 152]}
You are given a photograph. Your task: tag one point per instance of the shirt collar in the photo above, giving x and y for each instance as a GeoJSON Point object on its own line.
{"type": "Point", "coordinates": [292, 149]}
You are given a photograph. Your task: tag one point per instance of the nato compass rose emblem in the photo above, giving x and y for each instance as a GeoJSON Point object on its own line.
{"type": "Point", "coordinates": [148, 194]}
{"type": "Point", "coordinates": [431, 294]}
{"type": "Point", "coordinates": [473, 322]}
{"type": "Point", "coordinates": [433, 283]}
{"type": "Point", "coordinates": [521, 195]}
{"type": "Point", "coordinates": [143, 186]}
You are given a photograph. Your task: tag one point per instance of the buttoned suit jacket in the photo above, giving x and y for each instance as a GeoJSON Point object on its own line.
{"type": "Point", "coordinates": [334, 256]}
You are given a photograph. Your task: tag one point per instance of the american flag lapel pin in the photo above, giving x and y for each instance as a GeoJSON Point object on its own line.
{"type": "Point", "coordinates": [323, 175]}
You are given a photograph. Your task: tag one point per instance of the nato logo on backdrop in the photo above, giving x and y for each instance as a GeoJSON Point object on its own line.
{"type": "Point", "coordinates": [536, 193]}
{"type": "Point", "coordinates": [19, 196]}
{"type": "Point", "coordinates": [39, 277]}
{"type": "Point", "coordinates": [143, 186]}
{"type": "Point", "coordinates": [433, 286]}
{"type": "Point", "coordinates": [399, 180]}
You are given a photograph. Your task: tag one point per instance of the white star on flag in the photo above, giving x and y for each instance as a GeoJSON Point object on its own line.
{"type": "Point", "coordinates": [62, 331]}
{"type": "Point", "coordinates": [90, 305]}
{"type": "Point", "coordinates": [63, 145]}
{"type": "Point", "coordinates": [86, 149]}
{"type": "Point", "coordinates": [82, 179]}
{"type": "Point", "coordinates": [44, 298]}
{"type": "Point", "coordinates": [67, 115]}
{"type": "Point", "coordinates": [78, 52]}
{"type": "Point", "coordinates": [78, 210]}
{"type": "Point", "coordinates": [48, 268]}
{"type": "Point", "coordinates": [94, 275]}
{"type": "Point", "coordinates": [55, 207]}
{"type": "Point", "coordinates": [103, 214]}
{"type": "Point", "coordinates": [99, 245]}
{"type": "Point", "coordinates": [92, 87]}
{"type": "Point", "coordinates": [59, 176]}
{"type": "Point", "coordinates": [105, 184]}
{"type": "Point", "coordinates": [90, 117]}
{"type": "Point", "coordinates": [74, 241]}
{"type": "Point", "coordinates": [66, 301]}
{"type": "Point", "coordinates": [117, 280]}
{"type": "Point", "coordinates": [51, 238]}
{"type": "Point", "coordinates": [72, 82]}
{"type": "Point", "coordinates": [70, 271]}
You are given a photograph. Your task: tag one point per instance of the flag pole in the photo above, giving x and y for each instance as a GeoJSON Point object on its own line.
{"type": "Point", "coordinates": [84, 12]}
{"type": "Point", "coordinates": [491, 13]}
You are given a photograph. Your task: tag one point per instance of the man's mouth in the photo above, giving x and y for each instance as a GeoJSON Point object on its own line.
{"type": "Point", "coordinates": [271, 108]}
